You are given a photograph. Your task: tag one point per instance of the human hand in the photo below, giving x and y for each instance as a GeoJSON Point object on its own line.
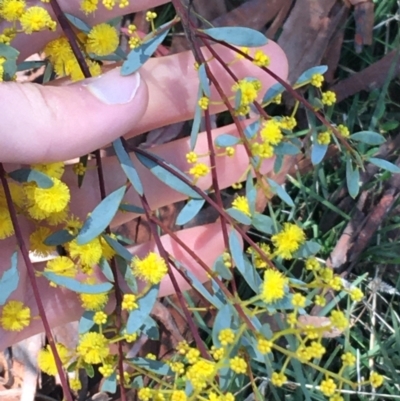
{"type": "Point", "coordinates": [42, 124]}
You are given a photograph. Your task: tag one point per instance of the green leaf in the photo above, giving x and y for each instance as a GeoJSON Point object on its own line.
{"type": "Point", "coordinates": [309, 248]}
{"type": "Point", "coordinates": [101, 216]}
{"type": "Point", "coordinates": [250, 274]}
{"type": "Point", "coordinates": [28, 175]}
{"type": "Point", "coordinates": [9, 280]}
{"type": "Point", "coordinates": [286, 148]}
{"type": "Point", "coordinates": [194, 132]}
{"type": "Point", "coordinates": [10, 64]}
{"type": "Point", "coordinates": [86, 322]}
{"type": "Point", "coordinates": [138, 316]}
{"type": "Point", "coordinates": [352, 179]}
{"type": "Point", "coordinates": [263, 223]}
{"type": "Point", "coordinates": [126, 207]}
{"type": "Point", "coordinates": [238, 36]}
{"type": "Point", "coordinates": [151, 365]}
{"type": "Point", "coordinates": [272, 92]}
{"type": "Point", "coordinates": [189, 211]}
{"type": "Point", "coordinates": [60, 237]}
{"type": "Point", "coordinates": [278, 164]}
{"type": "Point", "coordinates": [150, 329]}
{"type": "Point", "coordinates": [199, 287]}
{"type": "Point", "coordinates": [318, 152]}
{"type": "Point", "coordinates": [384, 164]}
{"type": "Point", "coordinates": [77, 286]}
{"type": "Point", "coordinates": [220, 268]}
{"type": "Point", "coordinates": [29, 65]}
{"type": "Point", "coordinates": [8, 51]}
{"type": "Point", "coordinates": [110, 384]}
{"type": "Point", "coordinates": [205, 86]}
{"type": "Point", "coordinates": [306, 75]}
{"type": "Point", "coordinates": [251, 130]}
{"type": "Point", "coordinates": [138, 56]}
{"type": "Point", "coordinates": [278, 190]}
{"type": "Point", "coordinates": [106, 269]}
{"type": "Point", "coordinates": [127, 166]}
{"type": "Point", "coordinates": [118, 248]}
{"type": "Point", "coordinates": [78, 23]}
{"type": "Point", "coordinates": [167, 177]}
{"type": "Point", "coordinates": [235, 247]}
{"type": "Point", "coordinates": [368, 137]}
{"type": "Point", "coordinates": [239, 216]}
{"type": "Point", "coordinates": [222, 321]}
{"type": "Point", "coordinates": [226, 140]}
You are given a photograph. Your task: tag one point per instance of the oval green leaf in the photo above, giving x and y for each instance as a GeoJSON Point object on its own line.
{"type": "Point", "coordinates": [127, 166]}
{"type": "Point", "coordinates": [385, 165]}
{"type": "Point", "coordinates": [189, 211]}
{"type": "Point", "coordinates": [28, 175]}
{"type": "Point", "coordinates": [278, 190]}
{"type": "Point", "coordinates": [318, 153]}
{"type": "Point", "coordinates": [77, 286]}
{"type": "Point", "coordinates": [101, 216]}
{"type": "Point", "coordinates": [352, 179]}
{"type": "Point", "coordinates": [306, 75]}
{"type": "Point", "coordinates": [238, 36]}
{"type": "Point", "coordinates": [225, 140]}
{"type": "Point", "coordinates": [9, 280]}
{"type": "Point", "coordinates": [167, 177]}
{"type": "Point", "coordinates": [138, 316]}
{"type": "Point", "coordinates": [239, 216]}
{"type": "Point", "coordinates": [368, 137]}
{"type": "Point", "coordinates": [137, 57]}
{"type": "Point", "coordinates": [272, 92]}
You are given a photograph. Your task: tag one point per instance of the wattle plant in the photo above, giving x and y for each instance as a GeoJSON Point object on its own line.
{"type": "Point", "coordinates": [118, 288]}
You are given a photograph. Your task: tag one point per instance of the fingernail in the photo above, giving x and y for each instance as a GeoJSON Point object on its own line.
{"type": "Point", "coordinates": [112, 88]}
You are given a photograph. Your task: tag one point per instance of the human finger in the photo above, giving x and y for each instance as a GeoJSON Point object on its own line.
{"type": "Point", "coordinates": [63, 306]}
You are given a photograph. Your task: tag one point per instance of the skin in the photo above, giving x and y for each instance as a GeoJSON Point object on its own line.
{"type": "Point", "coordinates": [166, 94]}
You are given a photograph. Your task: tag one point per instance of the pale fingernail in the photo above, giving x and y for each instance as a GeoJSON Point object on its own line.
{"type": "Point", "coordinates": [113, 88]}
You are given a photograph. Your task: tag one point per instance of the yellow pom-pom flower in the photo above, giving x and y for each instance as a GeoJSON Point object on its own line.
{"type": "Point", "coordinates": [53, 199]}
{"type": "Point", "coordinates": [46, 359]}
{"type": "Point", "coordinates": [261, 59]}
{"type": "Point", "coordinates": [348, 359]}
{"type": "Point", "coordinates": [273, 287]}
{"type": "Point", "coordinates": [129, 302]}
{"type": "Point", "coordinates": [316, 80]}
{"type": "Point", "coordinates": [36, 19]}
{"type": "Point", "coordinates": [93, 348]}
{"type": "Point", "coordinates": [278, 379]}
{"type": "Point", "coordinates": [12, 10]}
{"type": "Point", "coordinates": [89, 6]}
{"type": "Point", "coordinates": [324, 138]}
{"type": "Point", "coordinates": [6, 225]}
{"type": "Point", "coordinates": [328, 98]}
{"type": "Point", "coordinates": [238, 365]}
{"type": "Point", "coordinates": [199, 170]}
{"type": "Point", "coordinates": [288, 240]}
{"type": "Point", "coordinates": [152, 268]}
{"type": "Point", "coordinates": [88, 254]}
{"type": "Point", "coordinates": [242, 204]}
{"type": "Point", "coordinates": [226, 337]}
{"type": "Point", "coordinates": [15, 316]}
{"type": "Point", "coordinates": [54, 170]}
{"type": "Point", "coordinates": [328, 387]}
{"type": "Point", "coordinates": [376, 379]}
{"type": "Point", "coordinates": [102, 40]}
{"type": "Point", "coordinates": [36, 240]}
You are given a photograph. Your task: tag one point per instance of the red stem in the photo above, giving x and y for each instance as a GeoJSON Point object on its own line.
{"type": "Point", "coordinates": [181, 299]}
{"type": "Point", "coordinates": [32, 278]}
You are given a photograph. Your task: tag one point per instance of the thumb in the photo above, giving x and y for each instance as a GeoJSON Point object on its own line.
{"type": "Point", "coordinates": [47, 123]}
